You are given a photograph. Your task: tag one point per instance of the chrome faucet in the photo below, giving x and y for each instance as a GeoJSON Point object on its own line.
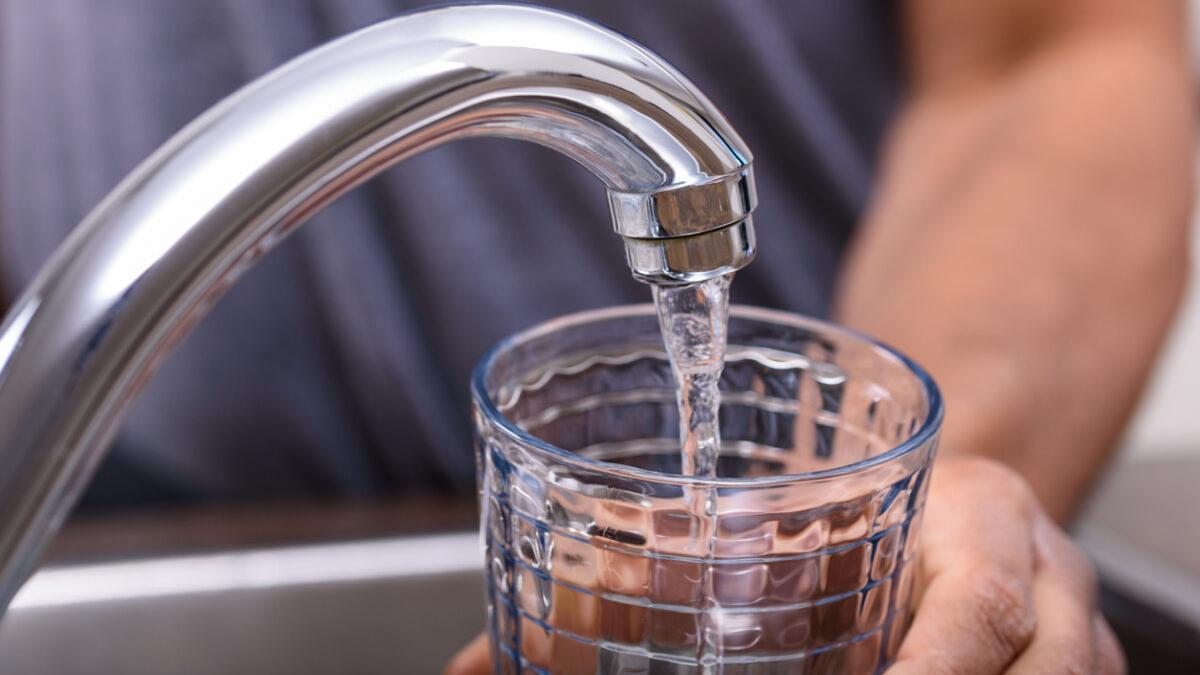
{"type": "Point", "coordinates": [152, 258]}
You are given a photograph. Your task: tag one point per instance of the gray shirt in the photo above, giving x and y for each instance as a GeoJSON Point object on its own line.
{"type": "Point", "coordinates": [340, 364]}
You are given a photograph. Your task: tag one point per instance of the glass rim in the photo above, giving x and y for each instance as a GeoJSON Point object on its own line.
{"type": "Point", "coordinates": [925, 432]}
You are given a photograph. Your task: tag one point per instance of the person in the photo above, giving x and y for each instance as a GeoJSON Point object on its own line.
{"type": "Point", "coordinates": [999, 188]}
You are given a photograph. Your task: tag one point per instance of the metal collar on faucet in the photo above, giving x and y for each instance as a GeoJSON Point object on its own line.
{"type": "Point", "coordinates": [151, 259]}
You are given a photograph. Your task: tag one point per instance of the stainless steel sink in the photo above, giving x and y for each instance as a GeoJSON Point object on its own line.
{"type": "Point", "coordinates": [398, 605]}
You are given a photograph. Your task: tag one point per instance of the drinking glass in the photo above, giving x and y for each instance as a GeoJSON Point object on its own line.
{"type": "Point", "coordinates": [796, 558]}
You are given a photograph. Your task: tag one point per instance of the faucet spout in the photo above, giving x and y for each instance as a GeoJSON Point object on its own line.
{"type": "Point", "coordinates": [150, 260]}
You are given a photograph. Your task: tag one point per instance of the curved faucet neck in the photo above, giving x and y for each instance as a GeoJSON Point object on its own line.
{"type": "Point", "coordinates": [151, 259]}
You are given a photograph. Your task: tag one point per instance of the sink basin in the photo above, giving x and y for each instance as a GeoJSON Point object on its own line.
{"type": "Point", "coordinates": [396, 605]}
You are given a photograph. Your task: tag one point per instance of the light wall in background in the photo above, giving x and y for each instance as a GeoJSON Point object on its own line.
{"type": "Point", "coordinates": [1168, 422]}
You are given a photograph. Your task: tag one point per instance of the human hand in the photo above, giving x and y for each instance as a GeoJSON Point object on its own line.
{"type": "Point", "coordinates": [1003, 590]}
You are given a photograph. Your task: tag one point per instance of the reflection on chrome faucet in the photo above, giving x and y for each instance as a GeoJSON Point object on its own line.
{"type": "Point", "coordinates": [150, 260]}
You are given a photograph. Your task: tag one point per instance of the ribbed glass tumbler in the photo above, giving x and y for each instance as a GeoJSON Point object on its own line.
{"type": "Point", "coordinates": [797, 558]}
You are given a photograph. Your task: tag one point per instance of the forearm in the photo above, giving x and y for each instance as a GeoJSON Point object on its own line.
{"type": "Point", "coordinates": [1028, 244]}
